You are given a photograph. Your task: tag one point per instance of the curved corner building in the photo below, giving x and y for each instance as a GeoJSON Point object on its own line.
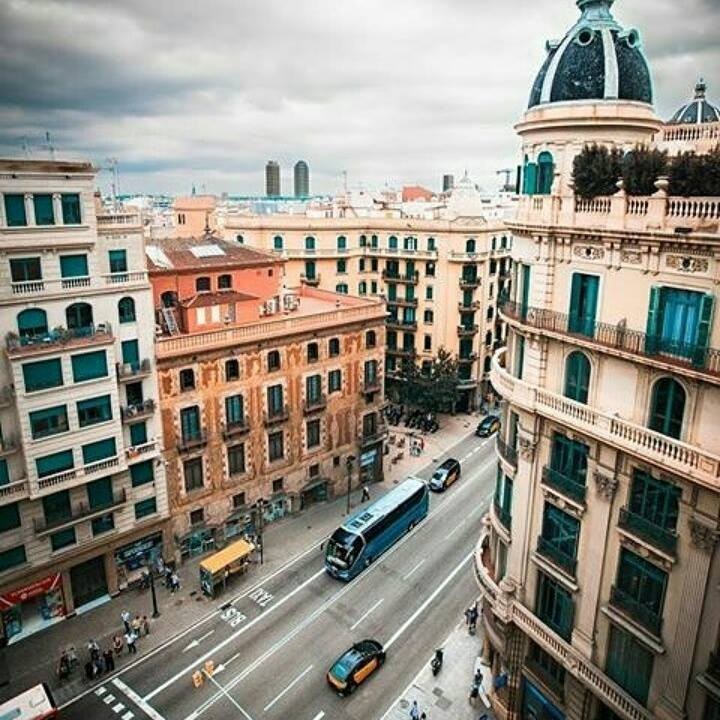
{"type": "Point", "coordinates": [598, 563]}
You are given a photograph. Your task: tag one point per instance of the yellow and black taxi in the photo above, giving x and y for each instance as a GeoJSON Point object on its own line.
{"type": "Point", "coordinates": [355, 666]}
{"type": "Point", "coordinates": [488, 426]}
{"type": "Point", "coordinates": [446, 474]}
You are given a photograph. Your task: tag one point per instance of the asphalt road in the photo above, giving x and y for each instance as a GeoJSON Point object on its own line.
{"type": "Point", "coordinates": [272, 645]}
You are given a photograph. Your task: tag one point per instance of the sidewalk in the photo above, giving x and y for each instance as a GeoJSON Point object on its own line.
{"type": "Point", "coordinates": [35, 658]}
{"type": "Point", "coordinates": [445, 696]}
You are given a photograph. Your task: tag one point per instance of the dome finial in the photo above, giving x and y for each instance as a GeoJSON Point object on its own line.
{"type": "Point", "coordinates": [700, 88]}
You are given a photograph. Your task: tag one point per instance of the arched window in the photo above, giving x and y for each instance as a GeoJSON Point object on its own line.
{"type": "Point", "coordinates": [333, 347]}
{"type": "Point", "coordinates": [168, 299]}
{"type": "Point", "coordinates": [309, 243]}
{"type": "Point", "coordinates": [273, 360]}
{"type": "Point", "coordinates": [240, 239]}
{"type": "Point", "coordinates": [277, 242]}
{"type": "Point", "coordinates": [470, 246]}
{"type": "Point", "coordinates": [431, 244]}
{"type": "Point", "coordinates": [32, 322]}
{"type": "Point", "coordinates": [494, 243]}
{"type": "Point", "coordinates": [488, 338]}
{"type": "Point", "coordinates": [79, 316]}
{"type": "Point", "coordinates": [232, 370]}
{"type": "Point", "coordinates": [341, 242]}
{"type": "Point", "coordinates": [374, 241]}
{"type": "Point", "coordinates": [486, 364]}
{"type": "Point", "coordinates": [342, 288]}
{"type": "Point", "coordinates": [363, 241]}
{"type": "Point", "coordinates": [428, 316]}
{"type": "Point", "coordinates": [577, 377]}
{"type": "Point", "coordinates": [225, 282]}
{"type": "Point", "coordinates": [667, 407]}
{"type": "Point", "coordinates": [529, 177]}
{"type": "Point", "coordinates": [392, 242]}
{"type": "Point", "coordinates": [545, 172]}
{"type": "Point", "coordinates": [202, 284]}
{"type": "Point", "coordinates": [313, 352]}
{"type": "Point", "coordinates": [370, 339]}
{"type": "Point", "coordinates": [362, 288]}
{"type": "Point", "coordinates": [126, 310]}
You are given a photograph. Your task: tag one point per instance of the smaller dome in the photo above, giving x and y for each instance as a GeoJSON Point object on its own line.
{"type": "Point", "coordinates": [697, 111]}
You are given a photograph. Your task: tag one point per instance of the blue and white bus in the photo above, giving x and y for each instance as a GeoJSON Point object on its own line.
{"type": "Point", "coordinates": [371, 531]}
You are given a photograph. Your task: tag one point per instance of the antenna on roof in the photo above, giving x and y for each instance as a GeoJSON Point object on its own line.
{"type": "Point", "coordinates": [51, 149]}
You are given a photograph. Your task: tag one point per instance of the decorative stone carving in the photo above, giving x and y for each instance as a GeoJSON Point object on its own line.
{"type": "Point", "coordinates": [605, 484]}
{"type": "Point", "coordinates": [631, 257]}
{"type": "Point", "coordinates": [703, 536]}
{"type": "Point", "coordinates": [687, 263]}
{"type": "Point", "coordinates": [527, 448]}
{"type": "Point", "coordinates": [588, 252]}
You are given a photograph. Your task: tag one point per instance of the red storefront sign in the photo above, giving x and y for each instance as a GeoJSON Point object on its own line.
{"type": "Point", "coordinates": [39, 587]}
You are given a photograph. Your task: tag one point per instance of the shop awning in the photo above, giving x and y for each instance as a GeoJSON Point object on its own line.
{"type": "Point", "coordinates": [315, 483]}
{"type": "Point", "coordinates": [232, 553]}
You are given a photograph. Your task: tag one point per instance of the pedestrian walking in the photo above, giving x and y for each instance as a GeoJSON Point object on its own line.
{"type": "Point", "coordinates": [97, 667]}
{"type": "Point", "coordinates": [130, 639]}
{"type": "Point", "coordinates": [118, 644]}
{"type": "Point", "coordinates": [135, 625]}
{"type": "Point", "coordinates": [174, 583]}
{"type": "Point", "coordinates": [168, 577]}
{"type": "Point", "coordinates": [93, 649]}
{"type": "Point", "coordinates": [365, 494]}
{"type": "Point", "coordinates": [109, 660]}
{"type": "Point", "coordinates": [146, 625]}
{"type": "Point", "coordinates": [72, 657]}
{"type": "Point", "coordinates": [63, 666]}
{"type": "Point", "coordinates": [467, 616]}
{"type": "Point", "coordinates": [414, 711]}
{"type": "Point", "coordinates": [125, 617]}
{"type": "Point", "coordinates": [472, 624]}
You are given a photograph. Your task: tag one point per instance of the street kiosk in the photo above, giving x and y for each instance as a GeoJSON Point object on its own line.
{"type": "Point", "coordinates": [216, 570]}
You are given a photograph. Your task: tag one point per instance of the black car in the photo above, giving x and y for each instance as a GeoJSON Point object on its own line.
{"type": "Point", "coordinates": [446, 474]}
{"type": "Point", "coordinates": [488, 426]}
{"type": "Point", "coordinates": [355, 665]}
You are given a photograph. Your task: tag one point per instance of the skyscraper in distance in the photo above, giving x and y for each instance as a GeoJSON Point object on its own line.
{"type": "Point", "coordinates": [272, 179]}
{"type": "Point", "coordinates": [302, 179]}
{"type": "Point", "coordinates": [448, 182]}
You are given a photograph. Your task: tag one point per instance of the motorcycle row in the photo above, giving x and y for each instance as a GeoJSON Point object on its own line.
{"type": "Point", "coordinates": [416, 419]}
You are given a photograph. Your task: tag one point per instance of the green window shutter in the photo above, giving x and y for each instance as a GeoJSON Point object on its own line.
{"type": "Point", "coordinates": [652, 330]}
{"type": "Point", "coordinates": [88, 366]}
{"type": "Point", "coordinates": [55, 463]}
{"type": "Point", "coordinates": [94, 410]}
{"type": "Point", "coordinates": [56, 507]}
{"type": "Point", "coordinates": [44, 214]}
{"type": "Point", "coordinates": [13, 557]}
{"type": "Point", "coordinates": [71, 208]}
{"type": "Point", "coordinates": [15, 210]}
{"type": "Point", "coordinates": [9, 517]}
{"type": "Point", "coordinates": [392, 242]}
{"type": "Point", "coordinates": [32, 323]}
{"type": "Point", "coordinates": [42, 374]}
{"type": "Point", "coordinates": [234, 409]}
{"type": "Point", "coordinates": [703, 331]}
{"type": "Point", "coordinates": [99, 450]}
{"type": "Point", "coordinates": [190, 422]}
{"type": "Point", "coordinates": [138, 433]}
{"type": "Point", "coordinates": [575, 309]}
{"type": "Point", "coordinates": [131, 353]}
{"type": "Point", "coordinates": [62, 539]}
{"type": "Point", "coordinates": [530, 178]}
{"type": "Point", "coordinates": [142, 473]}
{"type": "Point", "coordinates": [278, 242]}
{"type": "Point", "coordinates": [118, 261]}
{"type": "Point", "coordinates": [73, 266]}
{"type": "Point", "coordinates": [589, 312]}
{"type": "Point", "coordinates": [4, 473]}
{"type": "Point", "coordinates": [629, 664]}
{"type": "Point", "coordinates": [100, 493]}
{"type": "Point", "coordinates": [519, 357]}
{"type": "Point", "coordinates": [577, 377]}
{"type": "Point", "coordinates": [48, 421]}
{"type": "Point", "coordinates": [145, 507]}
{"type": "Point", "coordinates": [668, 407]}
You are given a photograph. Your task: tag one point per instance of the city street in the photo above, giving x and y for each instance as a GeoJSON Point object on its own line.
{"type": "Point", "coordinates": [272, 645]}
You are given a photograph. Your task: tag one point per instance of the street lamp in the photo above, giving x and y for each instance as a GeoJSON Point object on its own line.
{"type": "Point", "coordinates": [155, 612]}
{"type": "Point", "coordinates": [349, 460]}
{"type": "Point", "coordinates": [259, 521]}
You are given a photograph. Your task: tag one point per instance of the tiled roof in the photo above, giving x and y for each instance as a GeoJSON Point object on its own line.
{"type": "Point", "coordinates": [416, 192]}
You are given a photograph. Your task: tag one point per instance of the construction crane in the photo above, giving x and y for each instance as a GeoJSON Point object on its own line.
{"type": "Point", "coordinates": [508, 173]}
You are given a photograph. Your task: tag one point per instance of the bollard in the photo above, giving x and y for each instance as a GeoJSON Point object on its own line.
{"type": "Point", "coordinates": [197, 678]}
{"type": "Point", "coordinates": [209, 667]}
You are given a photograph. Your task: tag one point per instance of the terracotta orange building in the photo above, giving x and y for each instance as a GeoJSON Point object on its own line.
{"type": "Point", "coordinates": [265, 392]}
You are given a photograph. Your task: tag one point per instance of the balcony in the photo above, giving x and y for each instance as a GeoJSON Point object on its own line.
{"type": "Point", "coordinates": [65, 338]}
{"type": "Point", "coordinates": [14, 491]}
{"type": "Point", "coordinates": [188, 443]}
{"type": "Point", "coordinates": [469, 283]}
{"type": "Point", "coordinates": [467, 359]}
{"type": "Point", "coordinates": [127, 373]}
{"type": "Point", "coordinates": [506, 451]}
{"type": "Point", "coordinates": [665, 540]}
{"type": "Point", "coordinates": [71, 475]}
{"type": "Point", "coordinates": [403, 302]}
{"type": "Point", "coordinates": [401, 325]}
{"type": "Point", "coordinates": [136, 411]}
{"type": "Point", "coordinates": [689, 461]}
{"type": "Point", "coordinates": [273, 416]}
{"type": "Point", "coordinates": [564, 484]}
{"type": "Point", "coordinates": [472, 307]}
{"type": "Point", "coordinates": [80, 512]}
{"type": "Point", "coordinates": [313, 280]}
{"type": "Point", "coordinates": [467, 330]}
{"type": "Point", "coordinates": [140, 452]}
{"type": "Point", "coordinates": [371, 438]}
{"type": "Point", "coordinates": [635, 610]}
{"type": "Point", "coordinates": [371, 385]}
{"type": "Point", "coordinates": [403, 353]}
{"type": "Point", "coordinates": [236, 428]}
{"type": "Point", "coordinates": [314, 404]}
{"type": "Point", "coordinates": [615, 339]}
{"type": "Point", "coordinates": [556, 556]}
{"type": "Point", "coordinates": [124, 278]}
{"type": "Point", "coordinates": [9, 445]}
{"type": "Point", "coordinates": [122, 221]}
{"type": "Point", "coordinates": [407, 278]}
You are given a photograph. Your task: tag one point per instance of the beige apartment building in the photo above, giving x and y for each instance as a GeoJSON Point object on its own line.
{"type": "Point", "coordinates": [82, 486]}
{"type": "Point", "coordinates": [440, 278]}
{"type": "Point", "coordinates": [598, 564]}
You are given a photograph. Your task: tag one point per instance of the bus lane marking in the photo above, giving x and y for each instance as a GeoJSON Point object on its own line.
{"type": "Point", "coordinates": [233, 617]}
{"type": "Point", "coordinates": [261, 597]}
{"type": "Point", "coordinates": [376, 605]}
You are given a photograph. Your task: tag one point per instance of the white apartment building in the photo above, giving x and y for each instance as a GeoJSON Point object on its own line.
{"type": "Point", "coordinates": [83, 501]}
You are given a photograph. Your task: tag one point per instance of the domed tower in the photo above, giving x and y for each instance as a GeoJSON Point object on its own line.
{"type": "Point", "coordinates": [594, 86]}
{"type": "Point", "coordinates": [698, 111]}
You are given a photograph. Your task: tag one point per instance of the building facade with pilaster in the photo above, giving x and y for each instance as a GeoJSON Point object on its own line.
{"type": "Point", "coordinates": [598, 563]}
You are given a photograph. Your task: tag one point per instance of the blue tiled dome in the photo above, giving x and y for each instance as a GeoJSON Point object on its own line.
{"type": "Point", "coordinates": [596, 60]}
{"type": "Point", "coordinates": [698, 111]}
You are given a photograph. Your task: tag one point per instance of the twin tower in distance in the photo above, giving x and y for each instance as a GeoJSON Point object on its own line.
{"type": "Point", "coordinates": [301, 176]}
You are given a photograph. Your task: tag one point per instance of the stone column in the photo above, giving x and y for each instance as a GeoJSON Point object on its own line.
{"type": "Point", "coordinates": [57, 208]}
{"type": "Point", "coordinates": [111, 575]}
{"type": "Point", "coordinates": [594, 536]}
{"type": "Point", "coordinates": [29, 209]}
{"type": "Point", "coordinates": [703, 540]}
{"type": "Point", "coordinates": [68, 593]}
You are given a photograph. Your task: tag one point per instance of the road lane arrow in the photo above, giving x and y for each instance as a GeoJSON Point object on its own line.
{"type": "Point", "coordinates": [194, 643]}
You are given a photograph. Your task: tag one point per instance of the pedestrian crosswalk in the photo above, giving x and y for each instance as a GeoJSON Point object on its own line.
{"type": "Point", "coordinates": [118, 707]}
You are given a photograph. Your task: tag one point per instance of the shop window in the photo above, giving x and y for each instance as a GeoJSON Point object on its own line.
{"type": "Point", "coordinates": [126, 310]}
{"type": "Point", "coordinates": [49, 421]}
{"type": "Point", "coordinates": [193, 474]}
{"type": "Point", "coordinates": [313, 433]}
{"type": "Point", "coordinates": [277, 485]}
{"type": "Point", "coordinates": [145, 507]}
{"type": "Point", "coordinates": [197, 517]}
{"type": "Point", "coordinates": [13, 557]}
{"type": "Point", "coordinates": [44, 213]}
{"type": "Point", "coordinates": [187, 379]}
{"type": "Point", "coordinates": [276, 449]}
{"type": "Point", "coordinates": [15, 215]}
{"type": "Point", "coordinates": [9, 517]}
{"type": "Point", "coordinates": [232, 370]}
{"type": "Point", "coordinates": [142, 473]}
{"type": "Point", "coordinates": [273, 361]}
{"type": "Point", "coordinates": [89, 366]}
{"type": "Point", "coordinates": [236, 459]}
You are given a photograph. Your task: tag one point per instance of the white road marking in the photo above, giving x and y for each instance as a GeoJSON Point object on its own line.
{"type": "Point", "coordinates": [289, 687]}
{"type": "Point", "coordinates": [185, 672]}
{"type": "Point", "coordinates": [454, 530]}
{"type": "Point", "coordinates": [414, 569]}
{"type": "Point", "coordinates": [150, 711]}
{"type": "Point", "coordinates": [261, 597]}
{"type": "Point", "coordinates": [232, 659]}
{"type": "Point", "coordinates": [128, 716]}
{"type": "Point", "coordinates": [197, 641]}
{"type": "Point", "coordinates": [376, 605]}
{"type": "Point", "coordinates": [232, 700]}
{"type": "Point", "coordinates": [100, 691]}
{"type": "Point", "coordinates": [320, 715]}
{"type": "Point", "coordinates": [109, 699]}
{"type": "Point", "coordinates": [118, 708]}
{"type": "Point", "coordinates": [428, 600]}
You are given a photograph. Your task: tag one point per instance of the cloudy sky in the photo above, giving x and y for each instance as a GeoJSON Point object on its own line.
{"type": "Point", "coordinates": [396, 91]}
